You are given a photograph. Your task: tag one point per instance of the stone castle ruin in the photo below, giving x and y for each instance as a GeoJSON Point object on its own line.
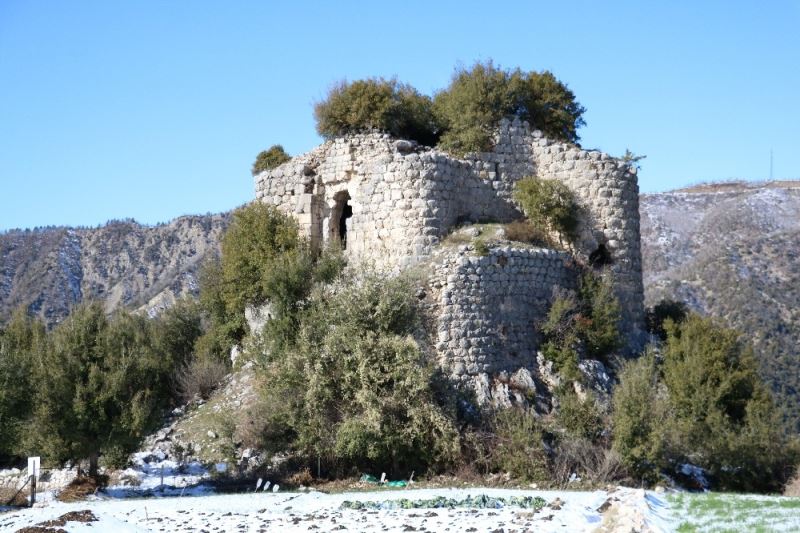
{"type": "Point", "coordinates": [392, 203]}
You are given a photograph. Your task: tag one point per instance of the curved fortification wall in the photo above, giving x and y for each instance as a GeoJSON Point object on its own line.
{"type": "Point", "coordinates": [487, 308]}
{"type": "Point", "coordinates": [392, 202]}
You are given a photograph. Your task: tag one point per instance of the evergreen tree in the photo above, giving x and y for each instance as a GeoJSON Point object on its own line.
{"type": "Point", "coordinates": [22, 345]}
{"type": "Point", "coordinates": [98, 389]}
{"type": "Point", "coordinates": [640, 414]}
{"type": "Point", "coordinates": [723, 416]}
{"type": "Point", "coordinates": [703, 404]}
{"type": "Point", "coordinates": [478, 98]}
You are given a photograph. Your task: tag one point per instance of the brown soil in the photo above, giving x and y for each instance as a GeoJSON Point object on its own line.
{"type": "Point", "coordinates": [55, 526]}
{"type": "Point", "coordinates": [72, 516]}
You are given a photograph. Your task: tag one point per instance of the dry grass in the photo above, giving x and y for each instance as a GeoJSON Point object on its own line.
{"type": "Point", "coordinates": [792, 488]}
{"type": "Point", "coordinates": [200, 378]}
{"type": "Point", "coordinates": [302, 477]}
{"type": "Point", "coordinates": [80, 488]}
{"type": "Point", "coordinates": [13, 497]}
{"type": "Point", "coordinates": [596, 465]}
{"type": "Point", "coordinates": [524, 231]}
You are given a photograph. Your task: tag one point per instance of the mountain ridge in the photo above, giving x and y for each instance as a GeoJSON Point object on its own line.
{"type": "Point", "coordinates": [122, 263]}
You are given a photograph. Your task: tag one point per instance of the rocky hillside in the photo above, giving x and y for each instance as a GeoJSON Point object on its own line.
{"type": "Point", "coordinates": [121, 264]}
{"type": "Point", "coordinates": [733, 251]}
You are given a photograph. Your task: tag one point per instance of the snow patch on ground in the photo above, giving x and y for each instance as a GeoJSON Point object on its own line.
{"type": "Point", "coordinates": [566, 511]}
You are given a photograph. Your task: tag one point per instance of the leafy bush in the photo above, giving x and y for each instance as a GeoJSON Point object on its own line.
{"type": "Point", "coordinates": [560, 335]}
{"type": "Point", "coordinates": [549, 205]}
{"type": "Point", "coordinates": [705, 405]}
{"type": "Point", "coordinates": [518, 445]}
{"type": "Point", "coordinates": [369, 398]}
{"type": "Point", "coordinates": [376, 104]}
{"type": "Point", "coordinates": [251, 271]}
{"type": "Point", "coordinates": [223, 328]}
{"type": "Point", "coordinates": [581, 419]}
{"type": "Point", "coordinates": [269, 159]}
{"type": "Point", "coordinates": [173, 335]}
{"type": "Point", "coordinates": [598, 324]}
{"type": "Point", "coordinates": [582, 324]}
{"type": "Point", "coordinates": [477, 99]}
{"type": "Point", "coordinates": [462, 117]}
{"type": "Point", "coordinates": [639, 416]}
{"type": "Point", "coordinates": [257, 237]}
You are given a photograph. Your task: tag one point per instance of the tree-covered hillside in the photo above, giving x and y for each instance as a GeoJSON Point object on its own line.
{"type": "Point", "coordinates": [731, 251]}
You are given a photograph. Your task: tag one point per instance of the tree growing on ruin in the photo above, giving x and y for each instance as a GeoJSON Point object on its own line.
{"type": "Point", "coordinates": [549, 205]}
{"type": "Point", "coordinates": [376, 104]}
{"type": "Point", "coordinates": [471, 107]}
{"type": "Point", "coordinates": [582, 324]}
{"type": "Point", "coordinates": [268, 159]}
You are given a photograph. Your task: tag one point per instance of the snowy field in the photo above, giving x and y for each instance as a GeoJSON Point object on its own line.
{"type": "Point", "coordinates": [717, 512]}
{"type": "Point", "coordinates": [622, 509]}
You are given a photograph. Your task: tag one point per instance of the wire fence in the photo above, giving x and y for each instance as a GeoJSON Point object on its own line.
{"type": "Point", "coordinates": [30, 488]}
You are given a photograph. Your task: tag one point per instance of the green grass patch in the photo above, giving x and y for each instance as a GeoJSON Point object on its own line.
{"type": "Point", "coordinates": [718, 512]}
{"type": "Point", "coordinates": [480, 501]}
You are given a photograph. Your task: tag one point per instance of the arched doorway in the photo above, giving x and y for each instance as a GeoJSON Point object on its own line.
{"type": "Point", "coordinates": [340, 214]}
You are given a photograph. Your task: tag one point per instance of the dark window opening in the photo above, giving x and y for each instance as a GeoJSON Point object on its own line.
{"type": "Point", "coordinates": [600, 257]}
{"type": "Point", "coordinates": [345, 211]}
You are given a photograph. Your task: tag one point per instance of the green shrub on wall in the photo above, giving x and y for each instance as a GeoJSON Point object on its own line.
{"type": "Point", "coordinates": [549, 205]}
{"type": "Point", "coordinates": [478, 98]}
{"type": "Point", "coordinates": [582, 324]}
{"type": "Point", "coordinates": [269, 159]}
{"type": "Point", "coordinates": [460, 118]}
{"type": "Point", "coordinates": [376, 104]}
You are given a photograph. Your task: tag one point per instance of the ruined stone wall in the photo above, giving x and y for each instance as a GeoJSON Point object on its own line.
{"type": "Point", "coordinates": [488, 308]}
{"type": "Point", "coordinates": [608, 191]}
{"type": "Point", "coordinates": [406, 198]}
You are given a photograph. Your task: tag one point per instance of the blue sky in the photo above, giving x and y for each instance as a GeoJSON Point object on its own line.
{"type": "Point", "coordinates": [152, 110]}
